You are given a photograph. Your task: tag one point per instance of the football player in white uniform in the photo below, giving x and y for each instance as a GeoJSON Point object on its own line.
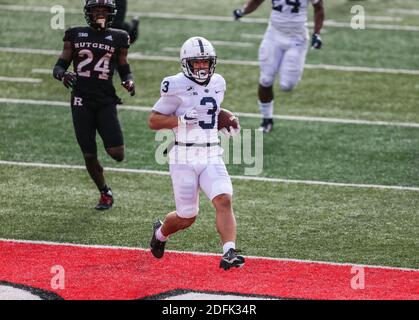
{"type": "Point", "coordinates": [189, 105]}
{"type": "Point", "coordinates": [284, 48]}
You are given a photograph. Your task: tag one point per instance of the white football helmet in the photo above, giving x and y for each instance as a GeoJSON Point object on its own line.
{"type": "Point", "coordinates": [198, 48]}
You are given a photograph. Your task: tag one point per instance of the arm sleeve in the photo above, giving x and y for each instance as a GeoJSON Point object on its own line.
{"type": "Point", "coordinates": [124, 40]}
{"type": "Point", "coordinates": [68, 35]}
{"type": "Point", "coordinates": [167, 105]}
{"type": "Point", "coordinates": [314, 1]}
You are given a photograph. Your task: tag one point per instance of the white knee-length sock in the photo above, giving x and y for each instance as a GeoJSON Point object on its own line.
{"type": "Point", "coordinates": [266, 109]}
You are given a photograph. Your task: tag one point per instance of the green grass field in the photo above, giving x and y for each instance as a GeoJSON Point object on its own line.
{"type": "Point", "coordinates": [327, 223]}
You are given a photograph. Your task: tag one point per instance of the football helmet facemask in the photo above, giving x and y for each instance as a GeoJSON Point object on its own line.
{"type": "Point", "coordinates": [198, 48]}
{"type": "Point", "coordinates": [88, 13]}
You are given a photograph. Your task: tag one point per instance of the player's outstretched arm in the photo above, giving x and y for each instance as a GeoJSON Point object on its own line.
{"type": "Point", "coordinates": [316, 41]}
{"type": "Point", "coordinates": [124, 70]}
{"type": "Point", "coordinates": [60, 69]}
{"type": "Point", "coordinates": [249, 7]}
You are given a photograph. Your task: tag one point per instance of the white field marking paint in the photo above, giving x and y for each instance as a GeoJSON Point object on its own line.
{"type": "Point", "coordinates": [403, 11]}
{"type": "Point", "coordinates": [253, 36]}
{"type": "Point", "coordinates": [34, 9]}
{"type": "Point", "coordinates": [370, 26]}
{"type": "Point", "coordinates": [35, 102]}
{"type": "Point", "coordinates": [360, 69]}
{"type": "Point", "coordinates": [331, 120]}
{"type": "Point", "coordinates": [170, 49]}
{"type": "Point", "coordinates": [208, 296]}
{"type": "Point", "coordinates": [88, 246]}
{"type": "Point", "coordinates": [239, 114]}
{"type": "Point", "coordinates": [42, 71]}
{"type": "Point", "coordinates": [139, 56]}
{"type": "Point", "coordinates": [245, 178]}
{"type": "Point", "coordinates": [217, 43]}
{"type": "Point", "coordinates": [383, 18]}
{"type": "Point", "coordinates": [10, 293]}
{"type": "Point", "coordinates": [22, 80]}
{"type": "Point", "coordinates": [162, 15]}
{"type": "Point", "coordinates": [31, 51]}
{"type": "Point", "coordinates": [232, 43]}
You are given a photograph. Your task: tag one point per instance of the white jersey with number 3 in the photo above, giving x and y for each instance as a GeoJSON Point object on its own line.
{"type": "Point", "coordinates": [205, 99]}
{"type": "Point", "coordinates": [290, 16]}
{"type": "Point", "coordinates": [195, 167]}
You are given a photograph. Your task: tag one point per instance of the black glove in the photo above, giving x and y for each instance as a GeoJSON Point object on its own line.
{"type": "Point", "coordinates": [238, 13]}
{"type": "Point", "coordinates": [129, 85]}
{"type": "Point", "coordinates": [69, 79]}
{"type": "Point", "coordinates": [316, 41]}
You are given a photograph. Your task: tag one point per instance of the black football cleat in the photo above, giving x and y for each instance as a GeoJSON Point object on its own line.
{"type": "Point", "coordinates": [267, 125]}
{"type": "Point", "coordinates": [231, 259]}
{"type": "Point", "coordinates": [105, 201]}
{"type": "Point", "coordinates": [157, 246]}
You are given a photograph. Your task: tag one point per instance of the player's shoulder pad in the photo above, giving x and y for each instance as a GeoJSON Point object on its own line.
{"type": "Point", "coordinates": [121, 38]}
{"type": "Point", "coordinates": [173, 85]}
{"type": "Point", "coordinates": [218, 82]}
{"type": "Point", "coordinates": [71, 33]}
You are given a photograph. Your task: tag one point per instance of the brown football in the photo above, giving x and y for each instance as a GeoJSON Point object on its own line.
{"type": "Point", "coordinates": [226, 119]}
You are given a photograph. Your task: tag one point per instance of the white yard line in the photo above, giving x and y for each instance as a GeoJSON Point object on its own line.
{"type": "Point", "coordinates": [232, 44]}
{"type": "Point", "coordinates": [162, 15]}
{"type": "Point", "coordinates": [245, 178]}
{"type": "Point", "coordinates": [42, 71]}
{"type": "Point", "coordinates": [170, 49]}
{"type": "Point", "coordinates": [216, 43]}
{"type": "Point", "coordinates": [92, 246]}
{"type": "Point", "coordinates": [239, 114]}
{"type": "Point", "coordinates": [403, 11]}
{"type": "Point", "coordinates": [251, 36]}
{"type": "Point", "coordinates": [360, 69]}
{"type": "Point", "coordinates": [22, 80]}
{"type": "Point", "coordinates": [35, 102]}
{"type": "Point", "coordinates": [31, 51]}
{"type": "Point", "coordinates": [140, 56]}
{"type": "Point", "coordinates": [369, 26]}
{"type": "Point", "coordinates": [383, 18]}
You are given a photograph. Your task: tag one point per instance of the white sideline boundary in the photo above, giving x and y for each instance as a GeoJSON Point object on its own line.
{"type": "Point", "coordinates": [92, 246]}
{"type": "Point", "coordinates": [239, 114]}
{"type": "Point", "coordinates": [245, 178]}
{"type": "Point", "coordinates": [162, 15]}
{"type": "Point", "coordinates": [141, 57]}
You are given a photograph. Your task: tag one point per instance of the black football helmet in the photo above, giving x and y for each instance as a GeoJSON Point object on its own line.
{"type": "Point", "coordinates": [88, 14]}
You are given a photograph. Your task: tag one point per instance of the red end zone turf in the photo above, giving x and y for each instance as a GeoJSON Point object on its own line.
{"type": "Point", "coordinates": [114, 273]}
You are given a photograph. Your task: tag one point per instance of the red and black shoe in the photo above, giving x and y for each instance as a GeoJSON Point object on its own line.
{"type": "Point", "coordinates": [105, 201]}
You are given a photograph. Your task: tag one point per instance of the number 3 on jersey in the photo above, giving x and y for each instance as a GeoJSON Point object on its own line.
{"type": "Point", "coordinates": [212, 111]}
{"type": "Point", "coordinates": [165, 86]}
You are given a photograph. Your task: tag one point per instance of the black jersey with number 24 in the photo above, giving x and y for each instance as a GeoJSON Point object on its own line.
{"type": "Point", "coordinates": [95, 56]}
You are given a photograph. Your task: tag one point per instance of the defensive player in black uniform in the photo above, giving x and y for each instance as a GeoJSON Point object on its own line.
{"type": "Point", "coordinates": [95, 52]}
{"type": "Point", "coordinates": [120, 23]}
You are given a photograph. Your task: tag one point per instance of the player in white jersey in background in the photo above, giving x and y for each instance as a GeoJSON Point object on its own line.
{"type": "Point", "coordinates": [189, 105]}
{"type": "Point", "coordinates": [284, 48]}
